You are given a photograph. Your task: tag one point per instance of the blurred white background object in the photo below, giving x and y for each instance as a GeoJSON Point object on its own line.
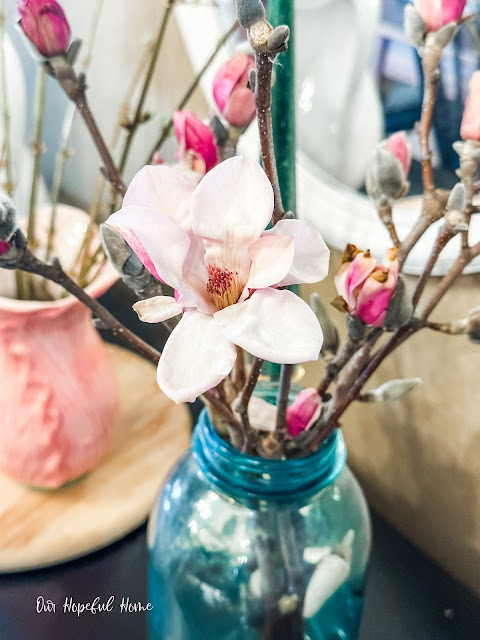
{"type": "Point", "coordinates": [339, 115]}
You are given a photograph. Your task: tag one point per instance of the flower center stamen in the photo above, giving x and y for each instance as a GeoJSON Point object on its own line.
{"type": "Point", "coordinates": [223, 286]}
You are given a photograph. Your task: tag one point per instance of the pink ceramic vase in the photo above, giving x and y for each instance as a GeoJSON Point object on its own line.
{"type": "Point", "coordinates": [58, 391]}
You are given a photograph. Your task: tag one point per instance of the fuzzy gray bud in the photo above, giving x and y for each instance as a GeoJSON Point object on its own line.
{"type": "Point", "coordinates": [357, 329]}
{"type": "Point", "coordinates": [456, 204]}
{"type": "Point", "coordinates": [18, 245]}
{"type": "Point", "coordinates": [458, 198]}
{"type": "Point", "coordinates": [400, 308]}
{"type": "Point", "coordinates": [391, 390]}
{"type": "Point", "coordinates": [128, 265]}
{"type": "Point", "coordinates": [443, 36]}
{"type": "Point", "coordinates": [249, 12]}
{"type": "Point", "coordinates": [385, 176]}
{"type": "Point", "coordinates": [252, 80]}
{"type": "Point", "coordinates": [278, 40]}
{"type": "Point", "coordinates": [8, 217]}
{"type": "Point", "coordinates": [415, 27]}
{"type": "Point", "coordinates": [473, 324]}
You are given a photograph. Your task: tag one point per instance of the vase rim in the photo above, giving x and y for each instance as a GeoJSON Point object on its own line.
{"type": "Point", "coordinates": [246, 477]}
{"type": "Point", "coordinates": [95, 289]}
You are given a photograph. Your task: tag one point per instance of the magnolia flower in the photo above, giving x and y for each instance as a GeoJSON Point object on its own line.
{"type": "Point", "coordinates": [45, 25]}
{"type": "Point", "coordinates": [196, 142]}
{"type": "Point", "coordinates": [366, 286]}
{"type": "Point", "coordinates": [303, 411]}
{"type": "Point", "coordinates": [230, 91]}
{"type": "Point", "coordinates": [437, 13]}
{"type": "Point", "coordinates": [209, 243]}
{"type": "Point", "coordinates": [470, 128]}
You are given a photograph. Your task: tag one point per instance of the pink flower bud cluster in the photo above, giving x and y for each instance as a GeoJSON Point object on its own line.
{"type": "Point", "coordinates": [231, 94]}
{"type": "Point", "coordinates": [438, 13]}
{"type": "Point", "coordinates": [365, 286]}
{"type": "Point", "coordinates": [45, 25]}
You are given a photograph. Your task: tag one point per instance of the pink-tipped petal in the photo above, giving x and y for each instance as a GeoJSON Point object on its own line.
{"type": "Point", "coordinates": [240, 110]}
{"type": "Point", "coordinates": [452, 10]}
{"type": "Point", "coordinates": [195, 136]}
{"type": "Point", "coordinates": [373, 301]}
{"type": "Point", "coordinates": [304, 411]}
{"type": "Point", "coordinates": [227, 77]}
{"type": "Point", "coordinates": [398, 145]}
{"type": "Point", "coordinates": [157, 309]}
{"type": "Point", "coordinates": [437, 13]}
{"type": "Point", "coordinates": [196, 358]}
{"type": "Point", "coordinates": [45, 25]}
{"type": "Point", "coordinates": [358, 271]}
{"type": "Point", "coordinates": [163, 189]}
{"type": "Point", "coordinates": [312, 255]}
{"type": "Point", "coordinates": [156, 239]}
{"type": "Point", "coordinates": [272, 259]}
{"type": "Point", "coordinates": [233, 203]}
{"type": "Point", "coordinates": [470, 128]}
{"type": "Point", "coordinates": [234, 99]}
{"type": "Point", "coordinates": [274, 325]}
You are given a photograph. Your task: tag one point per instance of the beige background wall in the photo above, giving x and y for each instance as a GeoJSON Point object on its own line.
{"type": "Point", "coordinates": [418, 458]}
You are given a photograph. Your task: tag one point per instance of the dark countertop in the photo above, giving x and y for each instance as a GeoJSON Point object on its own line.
{"type": "Point", "coordinates": [408, 597]}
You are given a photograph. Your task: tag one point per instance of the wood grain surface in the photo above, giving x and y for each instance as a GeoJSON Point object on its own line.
{"type": "Point", "coordinates": [42, 528]}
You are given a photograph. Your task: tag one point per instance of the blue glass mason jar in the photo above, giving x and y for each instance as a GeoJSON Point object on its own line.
{"type": "Point", "coordinates": [245, 548]}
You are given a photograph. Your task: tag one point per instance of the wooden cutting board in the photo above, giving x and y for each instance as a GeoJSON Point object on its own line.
{"type": "Point", "coordinates": [42, 528]}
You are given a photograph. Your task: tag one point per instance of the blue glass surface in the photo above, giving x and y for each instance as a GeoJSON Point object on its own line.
{"type": "Point", "coordinates": [243, 548]}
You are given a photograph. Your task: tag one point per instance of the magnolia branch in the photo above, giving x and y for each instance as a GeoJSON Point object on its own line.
{"type": "Point", "coordinates": [385, 215]}
{"type": "Point", "coordinates": [263, 103]}
{"type": "Point", "coordinates": [444, 237]}
{"type": "Point", "coordinates": [337, 364]}
{"type": "Point", "coordinates": [430, 62]}
{"type": "Point", "coordinates": [433, 209]}
{"type": "Point", "coordinates": [189, 92]}
{"type": "Point", "coordinates": [75, 90]}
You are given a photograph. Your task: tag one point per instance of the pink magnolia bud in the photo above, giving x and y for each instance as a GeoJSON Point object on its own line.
{"type": "Point", "coordinates": [303, 412]}
{"type": "Point", "coordinates": [4, 247]}
{"type": "Point", "coordinates": [230, 91]}
{"type": "Point", "coordinates": [470, 128]}
{"type": "Point", "coordinates": [437, 13]}
{"type": "Point", "coordinates": [196, 141]}
{"type": "Point", "coordinates": [45, 25]}
{"type": "Point", "coordinates": [398, 145]}
{"type": "Point", "coordinates": [366, 286]}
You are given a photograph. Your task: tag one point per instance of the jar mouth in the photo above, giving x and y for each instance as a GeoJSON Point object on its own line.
{"type": "Point", "coordinates": [247, 477]}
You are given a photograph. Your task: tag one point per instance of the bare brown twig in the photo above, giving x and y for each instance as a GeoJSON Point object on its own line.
{"type": "Point", "coordinates": [263, 103]}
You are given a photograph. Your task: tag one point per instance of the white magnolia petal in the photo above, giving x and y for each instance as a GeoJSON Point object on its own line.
{"type": "Point", "coordinates": [154, 237]}
{"type": "Point", "coordinates": [233, 203]}
{"type": "Point", "coordinates": [163, 189]}
{"type": "Point", "coordinates": [273, 325]}
{"type": "Point", "coordinates": [312, 255]}
{"type": "Point", "coordinates": [272, 259]}
{"type": "Point", "coordinates": [196, 358]}
{"type": "Point", "coordinates": [157, 309]}
{"type": "Point", "coordinates": [261, 414]}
